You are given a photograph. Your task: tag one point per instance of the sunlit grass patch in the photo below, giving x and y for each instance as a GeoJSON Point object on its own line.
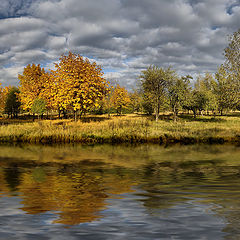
{"type": "Point", "coordinates": [129, 128]}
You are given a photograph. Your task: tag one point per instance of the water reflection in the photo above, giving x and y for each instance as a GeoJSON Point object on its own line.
{"type": "Point", "coordinates": [76, 191]}
{"type": "Point", "coordinates": [192, 187]}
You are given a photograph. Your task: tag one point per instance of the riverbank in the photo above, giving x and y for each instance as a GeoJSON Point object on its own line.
{"type": "Point", "coordinates": [124, 129]}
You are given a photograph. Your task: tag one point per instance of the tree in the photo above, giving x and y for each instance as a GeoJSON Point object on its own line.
{"type": "Point", "coordinates": [154, 81]}
{"type": "Point", "coordinates": [48, 91]}
{"type": "Point", "coordinates": [120, 99]}
{"type": "Point", "coordinates": [178, 92]}
{"type": "Point", "coordinates": [147, 103]}
{"type": "Point", "coordinates": [3, 96]}
{"type": "Point", "coordinates": [77, 84]}
{"type": "Point", "coordinates": [31, 85]}
{"type": "Point", "coordinates": [223, 89]}
{"type": "Point", "coordinates": [232, 66]}
{"type": "Point", "coordinates": [39, 107]}
{"type": "Point", "coordinates": [135, 101]}
{"type": "Point", "coordinates": [12, 104]}
{"type": "Point", "coordinates": [206, 86]}
{"type": "Point", "coordinates": [197, 101]}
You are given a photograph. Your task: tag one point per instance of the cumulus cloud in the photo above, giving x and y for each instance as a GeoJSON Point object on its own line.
{"type": "Point", "coordinates": [123, 36]}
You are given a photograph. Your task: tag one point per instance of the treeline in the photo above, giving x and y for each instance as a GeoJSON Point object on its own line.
{"type": "Point", "coordinates": [74, 88]}
{"type": "Point", "coordinates": [77, 86]}
{"type": "Point", "coordinates": [215, 94]}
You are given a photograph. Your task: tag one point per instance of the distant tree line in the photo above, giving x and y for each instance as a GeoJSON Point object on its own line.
{"type": "Point", "coordinates": [210, 93]}
{"type": "Point", "coordinates": [77, 87]}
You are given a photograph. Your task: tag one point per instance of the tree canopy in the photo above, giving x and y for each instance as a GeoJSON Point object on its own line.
{"type": "Point", "coordinates": [232, 66]}
{"type": "Point", "coordinates": [154, 81]}
{"type": "Point", "coordinates": [12, 104]}
{"type": "Point", "coordinates": [31, 84]}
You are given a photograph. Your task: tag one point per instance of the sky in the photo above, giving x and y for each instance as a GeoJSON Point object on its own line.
{"type": "Point", "coordinates": [123, 36]}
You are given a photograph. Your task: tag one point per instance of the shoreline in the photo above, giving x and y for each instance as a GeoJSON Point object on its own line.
{"type": "Point", "coordinates": [129, 129]}
{"type": "Point", "coordinates": [161, 140]}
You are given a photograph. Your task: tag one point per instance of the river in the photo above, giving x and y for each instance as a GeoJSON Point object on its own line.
{"type": "Point", "coordinates": [120, 192]}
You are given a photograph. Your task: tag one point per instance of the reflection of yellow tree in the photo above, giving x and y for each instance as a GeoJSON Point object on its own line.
{"type": "Point", "coordinates": [78, 197]}
{"type": "Point", "coordinates": [76, 181]}
{"type": "Point", "coordinates": [4, 187]}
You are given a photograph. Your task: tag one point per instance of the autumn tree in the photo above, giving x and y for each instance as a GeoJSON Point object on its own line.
{"type": "Point", "coordinates": [120, 99]}
{"type": "Point", "coordinates": [77, 84]}
{"type": "Point", "coordinates": [2, 98]}
{"type": "Point", "coordinates": [48, 91]}
{"type": "Point", "coordinates": [31, 84]}
{"type": "Point", "coordinates": [154, 82]}
{"type": "Point", "coordinates": [105, 105]}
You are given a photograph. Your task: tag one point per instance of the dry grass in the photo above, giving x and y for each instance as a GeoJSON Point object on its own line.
{"type": "Point", "coordinates": [130, 128]}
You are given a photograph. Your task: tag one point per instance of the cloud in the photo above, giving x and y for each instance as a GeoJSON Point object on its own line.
{"type": "Point", "coordinates": [123, 36]}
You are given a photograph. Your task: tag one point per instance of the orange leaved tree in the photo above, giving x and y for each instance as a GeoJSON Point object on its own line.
{"type": "Point", "coordinates": [77, 84]}
{"type": "Point", "coordinates": [120, 99]}
{"type": "Point", "coordinates": [3, 97]}
{"type": "Point", "coordinates": [31, 85]}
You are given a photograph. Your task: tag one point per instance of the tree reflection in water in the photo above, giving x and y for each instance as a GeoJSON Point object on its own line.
{"type": "Point", "coordinates": [76, 181]}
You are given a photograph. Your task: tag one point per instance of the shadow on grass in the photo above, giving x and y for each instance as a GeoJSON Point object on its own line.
{"type": "Point", "coordinates": [164, 117]}
{"type": "Point", "coordinates": [232, 114]}
{"type": "Point", "coordinates": [190, 118]}
{"type": "Point", "coordinates": [185, 117]}
{"type": "Point", "coordinates": [8, 121]}
{"type": "Point", "coordinates": [94, 119]}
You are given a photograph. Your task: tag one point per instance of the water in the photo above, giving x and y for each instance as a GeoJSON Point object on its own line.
{"type": "Point", "coordinates": [119, 192]}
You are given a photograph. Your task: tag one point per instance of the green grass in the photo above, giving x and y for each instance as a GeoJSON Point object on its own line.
{"type": "Point", "coordinates": [129, 128]}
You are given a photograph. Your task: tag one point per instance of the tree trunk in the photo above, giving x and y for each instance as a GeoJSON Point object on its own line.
{"type": "Point", "coordinates": [174, 113]}
{"type": "Point", "coordinates": [157, 113]}
{"type": "Point", "coordinates": [157, 110]}
{"type": "Point", "coordinates": [194, 113]}
{"type": "Point", "coordinates": [64, 114]}
{"type": "Point", "coordinates": [75, 116]}
{"type": "Point", "coordinates": [80, 114]}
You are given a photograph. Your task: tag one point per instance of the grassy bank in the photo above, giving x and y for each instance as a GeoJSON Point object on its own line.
{"type": "Point", "coordinates": [130, 128]}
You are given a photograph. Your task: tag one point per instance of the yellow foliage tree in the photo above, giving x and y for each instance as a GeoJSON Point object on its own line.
{"type": "Point", "coordinates": [77, 84]}
{"type": "Point", "coordinates": [3, 96]}
{"type": "Point", "coordinates": [31, 85]}
{"type": "Point", "coordinates": [48, 91]}
{"type": "Point", "coordinates": [120, 99]}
